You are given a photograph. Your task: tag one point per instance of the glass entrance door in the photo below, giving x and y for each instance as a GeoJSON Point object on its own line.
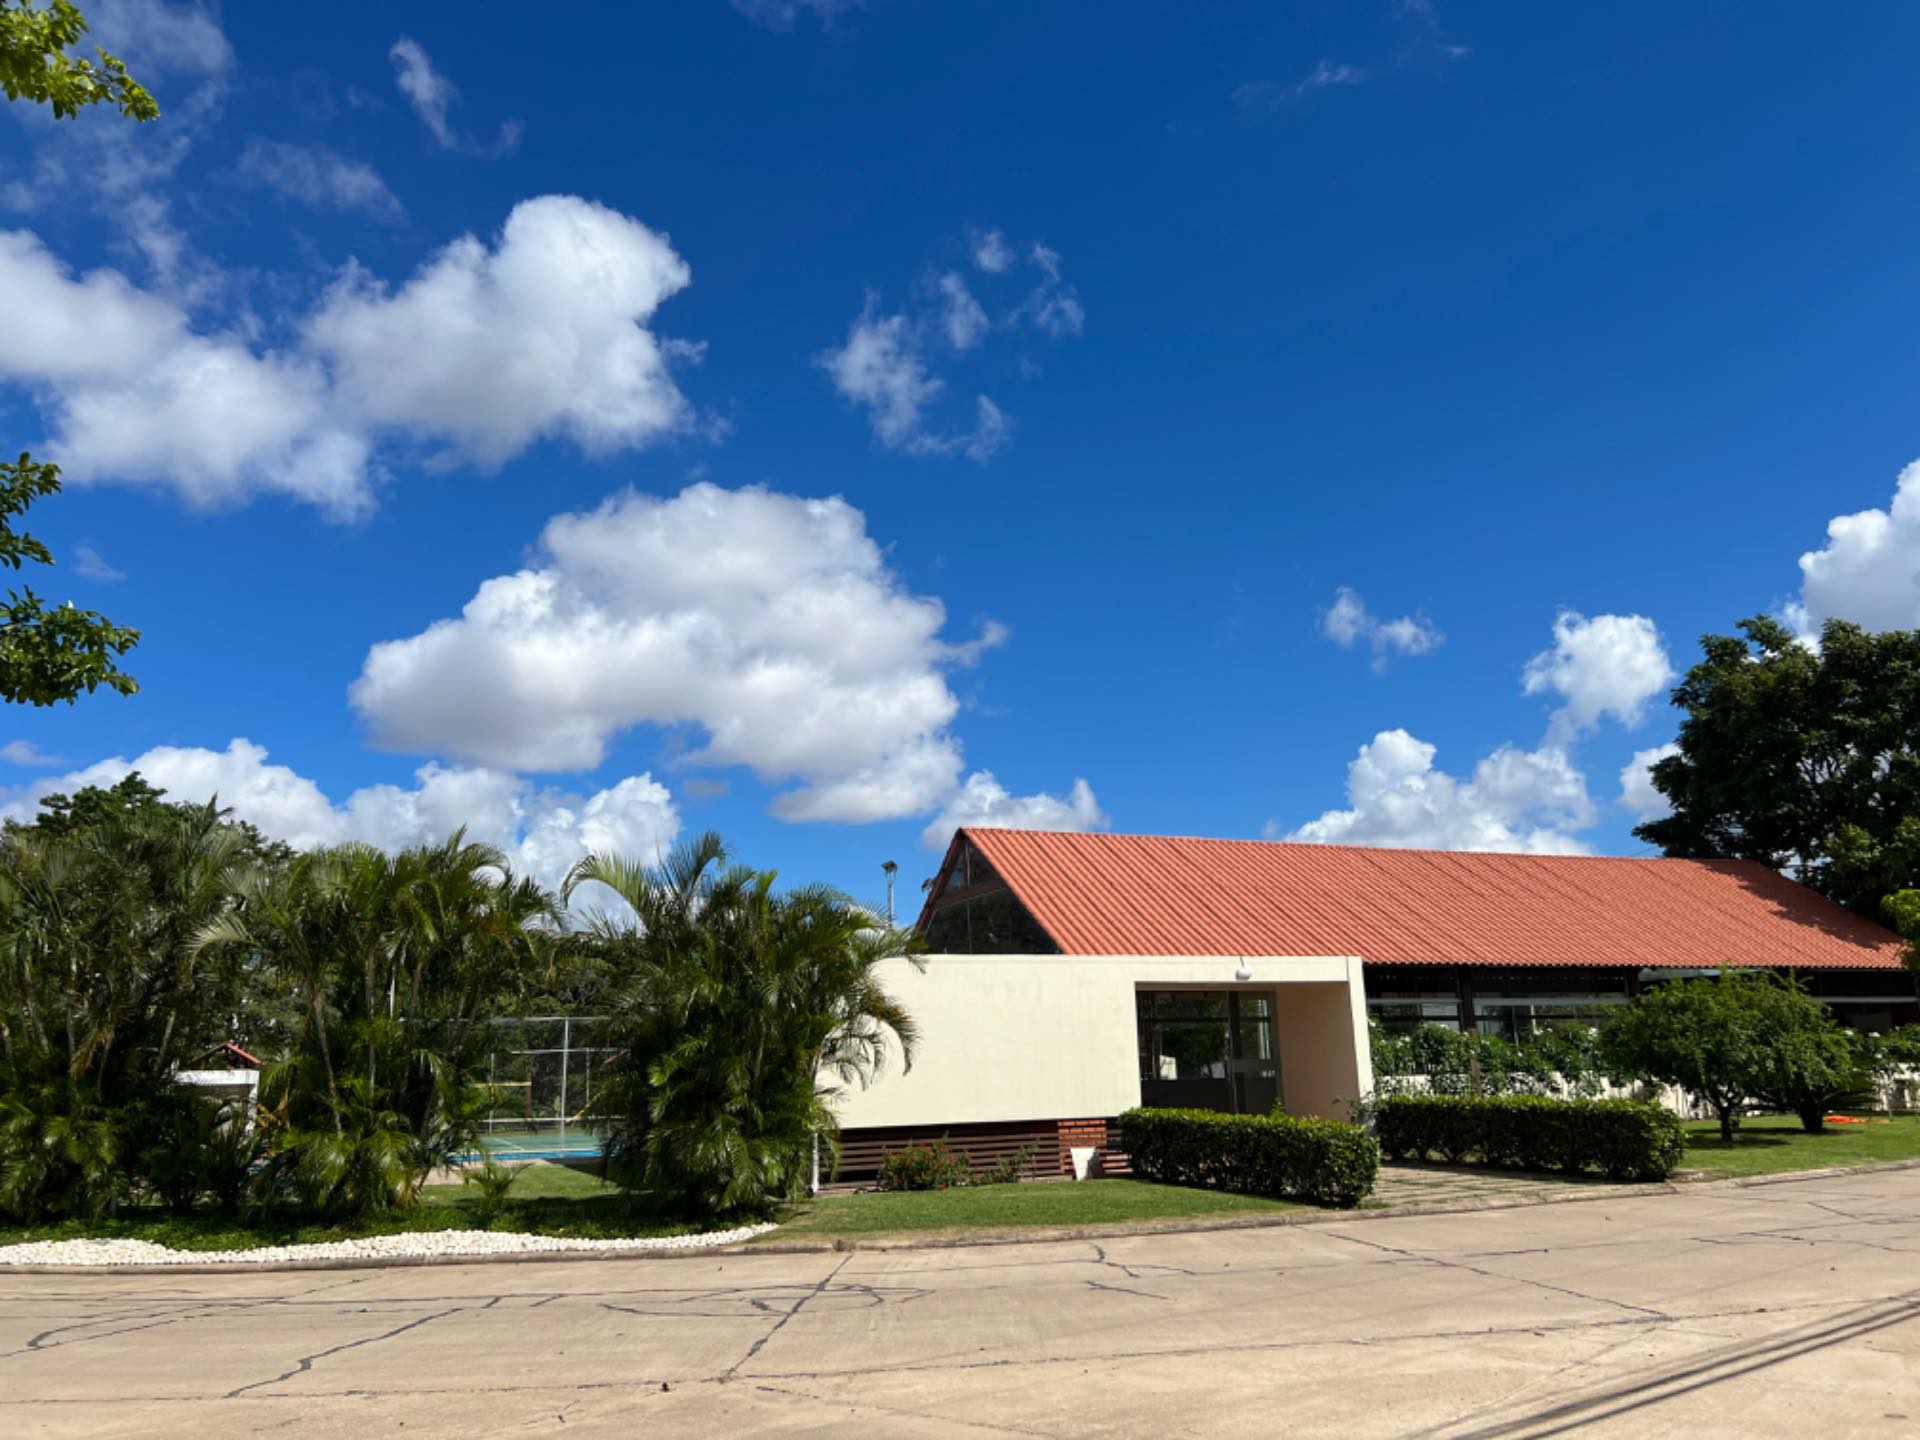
{"type": "Point", "coordinates": [1208, 1050]}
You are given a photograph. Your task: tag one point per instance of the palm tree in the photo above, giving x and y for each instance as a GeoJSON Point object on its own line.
{"type": "Point", "coordinates": [394, 962]}
{"type": "Point", "coordinates": [739, 1007]}
{"type": "Point", "coordinates": [100, 1001]}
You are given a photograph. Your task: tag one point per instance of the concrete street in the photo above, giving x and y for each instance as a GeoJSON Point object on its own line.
{"type": "Point", "coordinates": [1786, 1309]}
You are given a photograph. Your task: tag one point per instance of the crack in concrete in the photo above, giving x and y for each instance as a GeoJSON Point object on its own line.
{"type": "Point", "coordinates": [727, 1303]}
{"type": "Point", "coordinates": [185, 1309]}
{"type": "Point", "coordinates": [1486, 1274]}
{"type": "Point", "coordinates": [1132, 1272]}
{"type": "Point", "coordinates": [1639, 1324]}
{"type": "Point", "coordinates": [1123, 1290]}
{"type": "Point", "coordinates": [754, 1349]}
{"type": "Point", "coordinates": [307, 1362]}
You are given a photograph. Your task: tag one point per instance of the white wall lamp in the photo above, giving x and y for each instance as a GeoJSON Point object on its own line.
{"type": "Point", "coordinates": [1243, 972]}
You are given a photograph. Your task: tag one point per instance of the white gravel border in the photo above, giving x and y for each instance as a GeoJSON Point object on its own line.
{"type": "Point", "coordinates": [423, 1245]}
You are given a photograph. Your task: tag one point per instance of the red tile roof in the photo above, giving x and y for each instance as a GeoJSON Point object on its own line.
{"type": "Point", "coordinates": [1159, 895]}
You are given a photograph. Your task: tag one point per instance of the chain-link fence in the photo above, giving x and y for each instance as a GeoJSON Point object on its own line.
{"type": "Point", "coordinates": [542, 1070]}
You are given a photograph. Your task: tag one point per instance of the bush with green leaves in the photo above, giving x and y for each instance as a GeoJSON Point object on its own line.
{"type": "Point", "coordinates": [1739, 1037]}
{"type": "Point", "coordinates": [1621, 1139]}
{"type": "Point", "coordinates": [1439, 1060]}
{"type": "Point", "coordinates": [1008, 1169]}
{"type": "Point", "coordinates": [933, 1165]}
{"type": "Point", "coordinates": [930, 1166]}
{"type": "Point", "coordinates": [494, 1183]}
{"type": "Point", "coordinates": [1326, 1162]}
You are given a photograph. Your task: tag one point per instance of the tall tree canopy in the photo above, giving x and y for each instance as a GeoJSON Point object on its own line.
{"type": "Point", "coordinates": [35, 66]}
{"type": "Point", "coordinates": [1807, 760]}
{"type": "Point", "coordinates": [49, 653]}
{"type": "Point", "coordinates": [739, 1005]}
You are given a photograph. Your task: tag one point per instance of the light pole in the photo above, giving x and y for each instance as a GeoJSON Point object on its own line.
{"type": "Point", "coordinates": [891, 869]}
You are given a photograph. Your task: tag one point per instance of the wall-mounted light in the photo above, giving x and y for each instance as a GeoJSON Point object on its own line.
{"type": "Point", "coordinates": [1243, 972]}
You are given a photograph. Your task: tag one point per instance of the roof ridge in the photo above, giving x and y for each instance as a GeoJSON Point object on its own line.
{"type": "Point", "coordinates": [1099, 835]}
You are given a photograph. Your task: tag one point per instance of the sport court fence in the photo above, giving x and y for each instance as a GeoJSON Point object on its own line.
{"type": "Point", "coordinates": [543, 1069]}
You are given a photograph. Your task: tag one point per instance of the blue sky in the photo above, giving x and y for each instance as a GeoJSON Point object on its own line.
{"type": "Point", "coordinates": [1332, 420]}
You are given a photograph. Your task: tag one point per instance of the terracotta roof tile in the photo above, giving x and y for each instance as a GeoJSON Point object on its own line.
{"type": "Point", "coordinates": [1161, 895]}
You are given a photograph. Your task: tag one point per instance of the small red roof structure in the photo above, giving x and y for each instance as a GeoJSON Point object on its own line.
{"type": "Point", "coordinates": [227, 1050]}
{"type": "Point", "coordinates": [1163, 895]}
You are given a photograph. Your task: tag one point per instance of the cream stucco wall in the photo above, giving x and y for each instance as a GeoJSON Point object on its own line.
{"type": "Point", "coordinates": [1043, 1037]}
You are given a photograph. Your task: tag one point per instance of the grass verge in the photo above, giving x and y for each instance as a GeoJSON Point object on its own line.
{"type": "Point", "coordinates": [988, 1207]}
{"type": "Point", "coordinates": [1775, 1144]}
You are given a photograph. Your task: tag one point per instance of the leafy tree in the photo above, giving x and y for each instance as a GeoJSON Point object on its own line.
{"type": "Point", "coordinates": [35, 67]}
{"type": "Point", "coordinates": [52, 655]}
{"type": "Point", "coordinates": [1902, 911]}
{"type": "Point", "coordinates": [740, 1004]}
{"type": "Point", "coordinates": [1805, 760]}
{"type": "Point", "coordinates": [1738, 1036]}
{"type": "Point", "coordinates": [100, 1001]}
{"type": "Point", "coordinates": [134, 797]}
{"type": "Point", "coordinates": [49, 654]}
{"type": "Point", "coordinates": [392, 965]}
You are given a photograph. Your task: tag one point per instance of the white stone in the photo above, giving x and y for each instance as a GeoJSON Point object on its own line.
{"type": "Point", "coordinates": [109, 1253]}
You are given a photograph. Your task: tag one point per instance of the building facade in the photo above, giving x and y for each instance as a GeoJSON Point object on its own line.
{"type": "Point", "coordinates": [1069, 977]}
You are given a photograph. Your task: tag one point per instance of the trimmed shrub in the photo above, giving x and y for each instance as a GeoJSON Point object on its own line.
{"type": "Point", "coordinates": [1622, 1139]}
{"type": "Point", "coordinates": [1327, 1162]}
{"type": "Point", "coordinates": [924, 1167]}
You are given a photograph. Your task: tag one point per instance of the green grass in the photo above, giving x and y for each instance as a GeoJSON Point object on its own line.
{"type": "Point", "coordinates": [986, 1207]}
{"type": "Point", "coordinates": [560, 1181]}
{"type": "Point", "coordinates": [564, 1200]}
{"type": "Point", "coordinates": [1775, 1144]}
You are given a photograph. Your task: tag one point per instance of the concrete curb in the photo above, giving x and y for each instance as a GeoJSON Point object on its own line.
{"type": "Point", "coordinates": [884, 1242]}
{"type": "Point", "coordinates": [1788, 1177]}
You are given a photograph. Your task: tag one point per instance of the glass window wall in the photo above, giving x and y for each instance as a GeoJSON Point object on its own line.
{"type": "Point", "coordinates": [1208, 1050]}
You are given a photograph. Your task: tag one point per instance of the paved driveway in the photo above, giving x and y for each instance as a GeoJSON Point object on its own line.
{"type": "Point", "coordinates": [1789, 1310]}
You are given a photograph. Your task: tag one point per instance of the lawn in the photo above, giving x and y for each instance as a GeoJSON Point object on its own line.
{"type": "Point", "coordinates": [560, 1200]}
{"type": "Point", "coordinates": [986, 1207]}
{"type": "Point", "coordinates": [559, 1181]}
{"type": "Point", "coordinates": [1772, 1144]}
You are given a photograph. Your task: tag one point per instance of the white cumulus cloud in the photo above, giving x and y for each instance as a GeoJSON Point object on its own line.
{"type": "Point", "coordinates": [1610, 665]}
{"type": "Point", "coordinates": [542, 830]}
{"type": "Point", "coordinates": [769, 623]}
{"type": "Point", "coordinates": [487, 349]}
{"type": "Point", "coordinates": [1348, 623]}
{"type": "Point", "coordinates": [1533, 801]}
{"type": "Point", "coordinates": [882, 369]}
{"type": "Point", "coordinates": [1869, 569]}
{"type": "Point", "coordinates": [1525, 801]}
{"type": "Point", "coordinates": [983, 800]}
{"type": "Point", "coordinates": [1636, 784]}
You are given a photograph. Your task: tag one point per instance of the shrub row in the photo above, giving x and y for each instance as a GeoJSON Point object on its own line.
{"type": "Point", "coordinates": [1284, 1156]}
{"type": "Point", "coordinates": [934, 1166]}
{"type": "Point", "coordinates": [1622, 1139]}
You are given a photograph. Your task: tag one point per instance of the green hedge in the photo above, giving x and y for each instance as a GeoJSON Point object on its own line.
{"type": "Point", "coordinates": [1325, 1161]}
{"type": "Point", "coordinates": [1622, 1139]}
